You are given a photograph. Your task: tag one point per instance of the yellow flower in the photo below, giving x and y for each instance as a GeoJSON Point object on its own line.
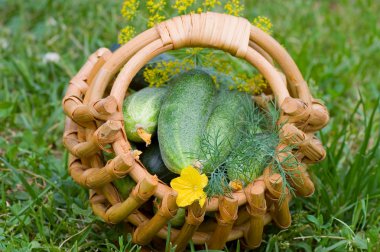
{"type": "Point", "coordinates": [126, 34]}
{"type": "Point", "coordinates": [159, 74]}
{"type": "Point", "coordinates": [155, 9]}
{"type": "Point", "coordinates": [155, 19]}
{"type": "Point", "coordinates": [234, 7]}
{"type": "Point", "coordinates": [254, 85]}
{"type": "Point", "coordinates": [263, 23]}
{"type": "Point", "coordinates": [129, 9]}
{"type": "Point", "coordinates": [182, 5]}
{"type": "Point", "coordinates": [193, 51]}
{"type": "Point", "coordinates": [154, 6]}
{"type": "Point", "coordinates": [189, 187]}
{"type": "Point", "coordinates": [210, 4]}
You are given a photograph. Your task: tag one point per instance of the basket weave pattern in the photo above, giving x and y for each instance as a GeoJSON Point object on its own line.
{"type": "Point", "coordinates": [94, 125]}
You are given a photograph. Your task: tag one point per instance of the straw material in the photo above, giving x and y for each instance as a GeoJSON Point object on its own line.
{"type": "Point", "coordinates": [194, 217]}
{"type": "Point", "coordinates": [228, 209]}
{"type": "Point", "coordinates": [94, 126]}
{"type": "Point", "coordinates": [256, 208]}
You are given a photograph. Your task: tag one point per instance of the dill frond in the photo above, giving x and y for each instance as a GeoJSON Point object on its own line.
{"type": "Point", "coordinates": [256, 149]}
{"type": "Point", "coordinates": [285, 166]}
{"type": "Point", "coordinates": [251, 156]}
{"type": "Point", "coordinates": [213, 158]}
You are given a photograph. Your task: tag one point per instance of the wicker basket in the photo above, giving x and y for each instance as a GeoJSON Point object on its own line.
{"type": "Point", "coordinates": [94, 124]}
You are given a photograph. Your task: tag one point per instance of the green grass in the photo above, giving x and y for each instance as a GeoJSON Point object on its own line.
{"type": "Point", "coordinates": [336, 45]}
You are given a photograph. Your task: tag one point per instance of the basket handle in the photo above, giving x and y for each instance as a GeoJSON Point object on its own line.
{"type": "Point", "coordinates": [225, 32]}
{"type": "Point", "coordinates": [208, 30]}
{"type": "Point", "coordinates": [221, 31]}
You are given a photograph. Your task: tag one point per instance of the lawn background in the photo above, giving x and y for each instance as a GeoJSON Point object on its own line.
{"type": "Point", "coordinates": [336, 44]}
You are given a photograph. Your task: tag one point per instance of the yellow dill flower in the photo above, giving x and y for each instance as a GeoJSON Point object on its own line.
{"type": "Point", "coordinates": [253, 85]}
{"type": "Point", "coordinates": [154, 6]}
{"type": "Point", "coordinates": [263, 23]}
{"type": "Point", "coordinates": [129, 9]}
{"type": "Point", "coordinates": [189, 186]}
{"type": "Point", "coordinates": [182, 5]}
{"type": "Point", "coordinates": [234, 7]}
{"type": "Point", "coordinates": [194, 50]}
{"type": "Point", "coordinates": [210, 4]}
{"type": "Point", "coordinates": [126, 34]}
{"type": "Point", "coordinates": [217, 61]}
{"type": "Point", "coordinates": [156, 76]}
{"type": "Point", "coordinates": [259, 84]}
{"type": "Point", "coordinates": [155, 9]}
{"type": "Point", "coordinates": [162, 71]}
{"type": "Point", "coordinates": [176, 66]}
{"type": "Point", "coordinates": [155, 19]}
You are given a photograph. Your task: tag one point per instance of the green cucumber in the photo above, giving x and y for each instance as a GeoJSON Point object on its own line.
{"type": "Point", "coordinates": [223, 127]}
{"type": "Point", "coordinates": [183, 117]}
{"type": "Point", "coordinates": [178, 220]}
{"type": "Point", "coordinates": [124, 186]}
{"type": "Point", "coordinates": [141, 110]}
{"type": "Point", "coordinates": [152, 160]}
{"type": "Point", "coordinates": [194, 113]}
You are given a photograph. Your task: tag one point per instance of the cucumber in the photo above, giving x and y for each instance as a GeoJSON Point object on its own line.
{"type": "Point", "coordinates": [141, 111]}
{"type": "Point", "coordinates": [124, 186]}
{"type": "Point", "coordinates": [196, 122]}
{"type": "Point", "coordinates": [192, 113]}
{"type": "Point", "coordinates": [152, 160]}
{"type": "Point", "coordinates": [178, 220]}
{"type": "Point", "coordinates": [223, 127]}
{"type": "Point", "coordinates": [183, 117]}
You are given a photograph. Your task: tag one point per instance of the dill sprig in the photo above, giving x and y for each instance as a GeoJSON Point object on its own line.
{"type": "Point", "coordinates": [257, 149]}
{"type": "Point", "coordinates": [283, 162]}
{"type": "Point", "coordinates": [285, 166]}
{"type": "Point", "coordinates": [213, 161]}
{"type": "Point", "coordinates": [251, 156]}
